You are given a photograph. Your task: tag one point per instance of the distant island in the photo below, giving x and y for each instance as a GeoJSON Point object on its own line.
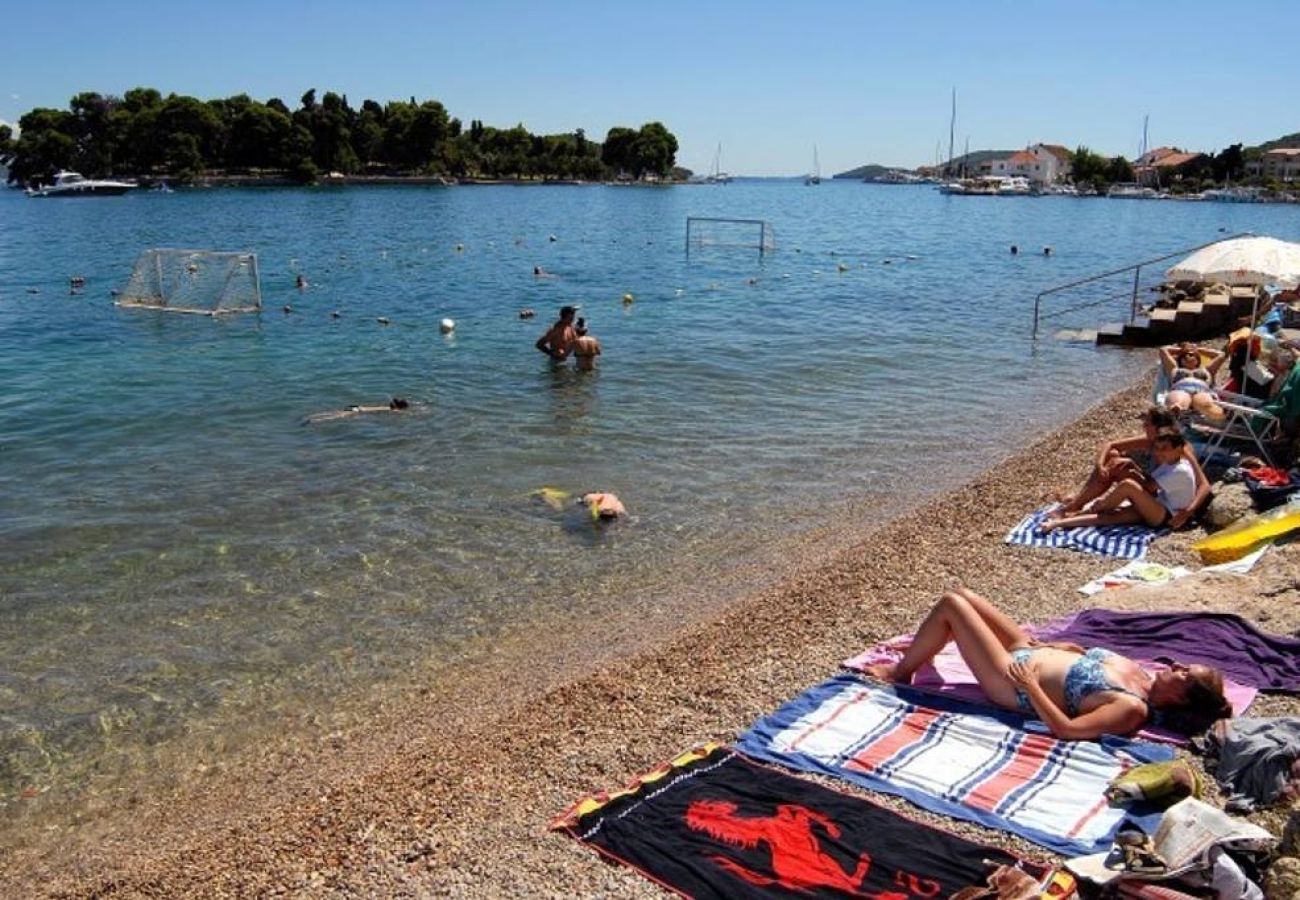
{"type": "Point", "coordinates": [182, 139]}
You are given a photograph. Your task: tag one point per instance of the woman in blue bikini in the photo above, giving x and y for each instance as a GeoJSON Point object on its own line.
{"type": "Point", "coordinates": [1079, 694]}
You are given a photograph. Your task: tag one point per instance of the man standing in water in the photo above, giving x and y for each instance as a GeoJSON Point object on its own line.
{"type": "Point", "coordinates": [557, 343]}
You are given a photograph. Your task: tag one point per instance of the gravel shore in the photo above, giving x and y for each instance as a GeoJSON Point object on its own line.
{"type": "Point", "coordinates": [450, 792]}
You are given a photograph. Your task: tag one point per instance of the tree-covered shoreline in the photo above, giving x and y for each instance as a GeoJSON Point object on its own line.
{"type": "Point", "coordinates": [183, 139]}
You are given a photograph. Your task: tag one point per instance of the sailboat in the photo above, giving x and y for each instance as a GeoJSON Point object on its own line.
{"type": "Point", "coordinates": [815, 176]}
{"type": "Point", "coordinates": [716, 175]}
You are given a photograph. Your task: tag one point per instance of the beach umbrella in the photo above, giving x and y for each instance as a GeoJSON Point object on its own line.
{"type": "Point", "coordinates": [1245, 261]}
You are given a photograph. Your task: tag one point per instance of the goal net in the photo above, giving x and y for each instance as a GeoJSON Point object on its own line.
{"type": "Point", "coordinates": [753, 234]}
{"type": "Point", "coordinates": [206, 282]}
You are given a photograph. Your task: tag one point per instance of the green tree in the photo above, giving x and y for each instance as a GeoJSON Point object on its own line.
{"type": "Point", "coordinates": [1087, 167]}
{"type": "Point", "coordinates": [1119, 170]}
{"type": "Point", "coordinates": [619, 150]}
{"type": "Point", "coordinates": [655, 150]}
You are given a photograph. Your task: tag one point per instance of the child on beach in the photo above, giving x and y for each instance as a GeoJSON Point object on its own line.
{"type": "Point", "coordinates": [1154, 499]}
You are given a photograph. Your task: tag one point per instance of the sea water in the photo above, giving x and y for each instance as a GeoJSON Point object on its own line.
{"type": "Point", "coordinates": [176, 544]}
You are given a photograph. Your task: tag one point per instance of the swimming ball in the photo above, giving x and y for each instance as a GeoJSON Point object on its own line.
{"type": "Point", "coordinates": [446, 326]}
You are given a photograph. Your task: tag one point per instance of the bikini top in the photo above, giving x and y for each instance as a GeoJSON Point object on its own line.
{"type": "Point", "coordinates": [1087, 676]}
{"type": "Point", "coordinates": [1200, 374]}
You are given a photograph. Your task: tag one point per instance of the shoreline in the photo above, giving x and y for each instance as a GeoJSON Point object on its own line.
{"type": "Point", "coordinates": [442, 793]}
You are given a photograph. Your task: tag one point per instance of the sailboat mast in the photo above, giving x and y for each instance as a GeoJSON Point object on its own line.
{"type": "Point", "coordinates": [952, 124]}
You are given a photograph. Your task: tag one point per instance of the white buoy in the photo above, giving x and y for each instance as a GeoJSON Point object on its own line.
{"type": "Point", "coordinates": [446, 326]}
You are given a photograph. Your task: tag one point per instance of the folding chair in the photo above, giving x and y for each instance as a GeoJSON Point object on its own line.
{"type": "Point", "coordinates": [1244, 424]}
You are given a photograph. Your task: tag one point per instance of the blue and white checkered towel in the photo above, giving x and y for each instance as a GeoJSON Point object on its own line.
{"type": "Point", "coordinates": [1123, 541]}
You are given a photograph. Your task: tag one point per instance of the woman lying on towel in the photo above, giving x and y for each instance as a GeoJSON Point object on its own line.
{"type": "Point", "coordinates": [1079, 694]}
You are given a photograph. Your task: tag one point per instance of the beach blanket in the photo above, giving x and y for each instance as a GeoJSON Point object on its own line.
{"type": "Point", "coordinates": [1269, 662]}
{"type": "Point", "coordinates": [969, 762]}
{"type": "Point", "coordinates": [947, 674]}
{"type": "Point", "coordinates": [714, 824]}
{"type": "Point", "coordinates": [1124, 541]}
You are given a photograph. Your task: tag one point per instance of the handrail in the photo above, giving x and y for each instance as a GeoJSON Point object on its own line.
{"type": "Point", "coordinates": [1135, 268]}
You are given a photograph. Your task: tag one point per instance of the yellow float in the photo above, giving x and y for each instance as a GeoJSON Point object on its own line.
{"type": "Point", "coordinates": [1246, 533]}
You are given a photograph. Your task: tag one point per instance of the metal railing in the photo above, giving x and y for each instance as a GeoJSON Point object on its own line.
{"type": "Point", "coordinates": [1131, 292]}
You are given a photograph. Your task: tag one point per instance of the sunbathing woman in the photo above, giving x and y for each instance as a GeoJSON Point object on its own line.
{"type": "Point", "coordinates": [1079, 694]}
{"type": "Point", "coordinates": [1191, 379]}
{"type": "Point", "coordinates": [1134, 457]}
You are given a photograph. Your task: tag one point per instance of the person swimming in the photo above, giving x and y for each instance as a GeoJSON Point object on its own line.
{"type": "Point", "coordinates": [396, 404]}
{"type": "Point", "coordinates": [557, 342]}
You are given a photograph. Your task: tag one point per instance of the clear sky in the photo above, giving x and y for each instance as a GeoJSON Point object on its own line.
{"type": "Point", "coordinates": [863, 81]}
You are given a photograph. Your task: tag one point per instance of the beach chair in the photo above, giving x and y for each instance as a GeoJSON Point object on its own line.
{"type": "Point", "coordinates": [1245, 427]}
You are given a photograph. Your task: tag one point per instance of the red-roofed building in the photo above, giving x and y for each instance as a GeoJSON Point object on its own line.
{"type": "Point", "coordinates": [1160, 163]}
{"type": "Point", "coordinates": [1282, 164]}
{"type": "Point", "coordinates": [1041, 164]}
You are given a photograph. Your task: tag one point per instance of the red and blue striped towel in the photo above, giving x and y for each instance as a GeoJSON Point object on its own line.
{"type": "Point", "coordinates": [969, 762]}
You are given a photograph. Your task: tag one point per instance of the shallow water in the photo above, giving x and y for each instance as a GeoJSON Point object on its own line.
{"type": "Point", "coordinates": [174, 542]}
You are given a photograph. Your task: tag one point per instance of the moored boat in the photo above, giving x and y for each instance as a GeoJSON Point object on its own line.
{"type": "Point", "coordinates": [74, 184]}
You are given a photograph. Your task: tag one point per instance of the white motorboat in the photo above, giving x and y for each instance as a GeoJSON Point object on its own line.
{"type": "Point", "coordinates": [74, 184]}
{"type": "Point", "coordinates": [896, 176]}
{"type": "Point", "coordinates": [1130, 191]}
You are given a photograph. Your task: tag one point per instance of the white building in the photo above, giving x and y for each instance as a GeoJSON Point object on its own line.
{"type": "Point", "coordinates": [1282, 164]}
{"type": "Point", "coordinates": [1041, 164]}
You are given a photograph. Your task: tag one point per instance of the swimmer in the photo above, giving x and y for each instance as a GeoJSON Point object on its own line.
{"type": "Point", "coordinates": [1014, 249]}
{"type": "Point", "coordinates": [287, 309]}
{"type": "Point", "coordinates": [539, 272]}
{"type": "Point", "coordinates": [1047, 251]}
{"type": "Point", "coordinates": [527, 312]}
{"type": "Point", "coordinates": [397, 404]}
{"type": "Point", "coordinates": [585, 348]}
{"type": "Point", "coordinates": [383, 320]}
{"type": "Point", "coordinates": [301, 282]}
{"type": "Point", "coordinates": [557, 342]}
{"type": "Point", "coordinates": [603, 506]}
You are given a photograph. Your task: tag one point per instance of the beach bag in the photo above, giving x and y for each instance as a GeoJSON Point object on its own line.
{"type": "Point", "coordinates": [1160, 783]}
{"type": "Point", "coordinates": [1270, 487]}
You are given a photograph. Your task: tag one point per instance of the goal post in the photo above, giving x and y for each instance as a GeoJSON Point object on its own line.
{"type": "Point", "coordinates": [707, 231]}
{"type": "Point", "coordinates": [203, 282]}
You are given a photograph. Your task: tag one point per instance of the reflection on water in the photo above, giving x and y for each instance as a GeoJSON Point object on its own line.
{"type": "Point", "coordinates": [177, 550]}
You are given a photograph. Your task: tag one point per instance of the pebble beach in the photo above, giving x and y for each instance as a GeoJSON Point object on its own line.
{"type": "Point", "coordinates": [450, 792]}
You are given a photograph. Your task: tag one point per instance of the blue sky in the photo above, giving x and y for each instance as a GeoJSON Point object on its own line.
{"type": "Point", "coordinates": [864, 82]}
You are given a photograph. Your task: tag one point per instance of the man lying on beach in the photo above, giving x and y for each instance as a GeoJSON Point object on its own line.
{"type": "Point", "coordinates": [1133, 457]}
{"type": "Point", "coordinates": [1154, 499]}
{"type": "Point", "coordinates": [1078, 694]}
{"type": "Point", "coordinates": [397, 404]}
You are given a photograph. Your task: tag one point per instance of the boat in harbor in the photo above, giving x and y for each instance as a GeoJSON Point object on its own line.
{"type": "Point", "coordinates": [897, 176]}
{"type": "Point", "coordinates": [815, 176]}
{"type": "Point", "coordinates": [74, 184]}
{"type": "Point", "coordinates": [1124, 191]}
{"type": "Point", "coordinates": [989, 186]}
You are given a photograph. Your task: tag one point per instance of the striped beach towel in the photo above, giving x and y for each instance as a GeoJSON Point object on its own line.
{"type": "Point", "coordinates": [1124, 541]}
{"type": "Point", "coordinates": [954, 759]}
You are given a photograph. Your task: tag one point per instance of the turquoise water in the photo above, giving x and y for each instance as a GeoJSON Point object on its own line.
{"type": "Point", "coordinates": [174, 542]}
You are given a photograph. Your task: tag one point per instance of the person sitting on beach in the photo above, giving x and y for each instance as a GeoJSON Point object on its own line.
{"type": "Point", "coordinates": [1078, 694]}
{"type": "Point", "coordinates": [397, 404]}
{"type": "Point", "coordinates": [1133, 457]}
{"type": "Point", "coordinates": [585, 347]}
{"type": "Point", "coordinates": [557, 343]}
{"type": "Point", "coordinates": [1153, 499]}
{"type": "Point", "coordinates": [1191, 379]}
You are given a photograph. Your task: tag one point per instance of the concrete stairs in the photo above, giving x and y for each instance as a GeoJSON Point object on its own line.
{"type": "Point", "coordinates": [1213, 315]}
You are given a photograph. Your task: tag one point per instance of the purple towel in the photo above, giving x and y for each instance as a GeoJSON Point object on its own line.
{"type": "Point", "coordinates": [1232, 645]}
